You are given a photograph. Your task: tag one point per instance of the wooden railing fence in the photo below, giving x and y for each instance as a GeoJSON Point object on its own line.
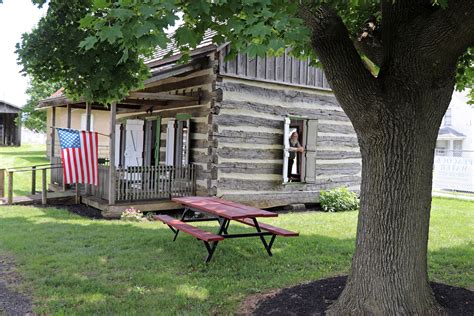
{"type": "Point", "coordinates": [33, 169]}
{"type": "Point", "coordinates": [154, 182]}
{"type": "Point", "coordinates": [132, 183]}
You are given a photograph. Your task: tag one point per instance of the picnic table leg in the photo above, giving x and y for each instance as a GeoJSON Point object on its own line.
{"type": "Point", "coordinates": [225, 226]}
{"type": "Point", "coordinates": [183, 216]}
{"type": "Point", "coordinates": [264, 241]}
{"type": "Point", "coordinates": [210, 250]}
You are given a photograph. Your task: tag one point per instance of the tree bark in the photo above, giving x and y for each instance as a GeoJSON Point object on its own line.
{"type": "Point", "coordinates": [389, 267]}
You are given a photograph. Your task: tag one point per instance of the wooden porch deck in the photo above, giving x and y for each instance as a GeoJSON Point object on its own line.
{"type": "Point", "coordinates": [55, 198]}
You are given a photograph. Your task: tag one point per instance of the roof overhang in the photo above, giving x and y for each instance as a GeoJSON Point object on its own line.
{"type": "Point", "coordinates": [450, 137]}
{"type": "Point", "coordinates": [6, 107]}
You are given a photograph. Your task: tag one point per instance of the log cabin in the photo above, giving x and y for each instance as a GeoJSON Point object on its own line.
{"type": "Point", "coordinates": [216, 126]}
{"type": "Point", "coordinates": [10, 127]}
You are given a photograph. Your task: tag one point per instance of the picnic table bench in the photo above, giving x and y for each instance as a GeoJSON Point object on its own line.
{"type": "Point", "coordinates": [223, 212]}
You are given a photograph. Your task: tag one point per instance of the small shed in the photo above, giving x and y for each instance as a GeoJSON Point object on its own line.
{"type": "Point", "coordinates": [10, 127]}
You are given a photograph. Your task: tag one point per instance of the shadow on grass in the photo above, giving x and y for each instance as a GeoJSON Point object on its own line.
{"type": "Point", "coordinates": [95, 266]}
{"type": "Point", "coordinates": [21, 154]}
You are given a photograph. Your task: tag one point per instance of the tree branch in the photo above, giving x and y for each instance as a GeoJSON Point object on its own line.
{"type": "Point", "coordinates": [369, 42]}
{"type": "Point", "coordinates": [447, 33]}
{"type": "Point", "coordinates": [354, 86]}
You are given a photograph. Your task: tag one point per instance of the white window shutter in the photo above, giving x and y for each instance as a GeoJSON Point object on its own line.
{"type": "Point", "coordinates": [134, 143]}
{"type": "Point", "coordinates": [170, 132]}
{"type": "Point", "coordinates": [118, 140]}
{"type": "Point", "coordinates": [286, 148]}
{"type": "Point", "coordinates": [310, 151]}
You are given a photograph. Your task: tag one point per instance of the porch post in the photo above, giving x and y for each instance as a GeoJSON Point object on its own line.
{"type": "Point", "coordinates": [68, 125]}
{"type": "Point", "coordinates": [87, 187]}
{"type": "Point", "coordinates": [69, 116]}
{"type": "Point", "coordinates": [53, 132]}
{"type": "Point", "coordinates": [113, 113]}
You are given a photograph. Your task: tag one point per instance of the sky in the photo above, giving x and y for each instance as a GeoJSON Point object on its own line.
{"type": "Point", "coordinates": [16, 18]}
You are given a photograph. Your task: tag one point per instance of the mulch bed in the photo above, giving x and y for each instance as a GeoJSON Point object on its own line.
{"type": "Point", "coordinates": [79, 209]}
{"type": "Point", "coordinates": [83, 210]}
{"type": "Point", "coordinates": [315, 297]}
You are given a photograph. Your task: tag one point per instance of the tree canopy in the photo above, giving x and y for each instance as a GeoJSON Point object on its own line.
{"type": "Point", "coordinates": [112, 38]}
{"type": "Point", "coordinates": [37, 91]}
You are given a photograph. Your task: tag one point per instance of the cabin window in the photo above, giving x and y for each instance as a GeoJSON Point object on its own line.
{"type": "Point", "coordinates": [178, 142]}
{"type": "Point", "coordinates": [299, 150]}
{"type": "Point", "coordinates": [84, 122]}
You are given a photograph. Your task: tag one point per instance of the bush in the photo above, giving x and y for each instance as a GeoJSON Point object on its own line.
{"type": "Point", "coordinates": [338, 200]}
{"type": "Point", "coordinates": [131, 215]}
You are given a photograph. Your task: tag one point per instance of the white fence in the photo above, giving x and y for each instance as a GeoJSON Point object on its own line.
{"type": "Point", "coordinates": [454, 172]}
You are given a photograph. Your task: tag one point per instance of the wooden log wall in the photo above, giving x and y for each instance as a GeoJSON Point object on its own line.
{"type": "Point", "coordinates": [285, 69]}
{"type": "Point", "coordinates": [247, 123]}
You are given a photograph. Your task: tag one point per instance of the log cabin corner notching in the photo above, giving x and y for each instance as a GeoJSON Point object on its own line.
{"type": "Point", "coordinates": [10, 127]}
{"type": "Point", "coordinates": [230, 120]}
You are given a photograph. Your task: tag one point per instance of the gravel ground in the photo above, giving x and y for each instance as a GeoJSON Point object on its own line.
{"type": "Point", "coordinates": [12, 302]}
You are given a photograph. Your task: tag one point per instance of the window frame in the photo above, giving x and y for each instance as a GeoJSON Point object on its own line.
{"type": "Point", "coordinates": [286, 152]}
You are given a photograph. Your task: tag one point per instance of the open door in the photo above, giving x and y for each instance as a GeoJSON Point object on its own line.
{"type": "Point", "coordinates": [310, 139]}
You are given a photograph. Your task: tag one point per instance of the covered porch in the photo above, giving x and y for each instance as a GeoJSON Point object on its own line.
{"type": "Point", "coordinates": [130, 171]}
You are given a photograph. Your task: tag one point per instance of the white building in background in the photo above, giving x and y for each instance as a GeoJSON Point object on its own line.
{"type": "Point", "coordinates": [30, 137]}
{"type": "Point", "coordinates": [456, 133]}
{"type": "Point", "coordinates": [454, 160]}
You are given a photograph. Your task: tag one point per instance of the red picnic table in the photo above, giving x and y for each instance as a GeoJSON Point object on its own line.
{"type": "Point", "coordinates": [224, 212]}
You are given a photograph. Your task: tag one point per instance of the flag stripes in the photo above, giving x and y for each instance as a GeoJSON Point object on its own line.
{"type": "Point", "coordinates": [79, 153]}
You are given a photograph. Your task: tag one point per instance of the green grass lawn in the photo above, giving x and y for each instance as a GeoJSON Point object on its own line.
{"type": "Point", "coordinates": [76, 265]}
{"type": "Point", "coordinates": [26, 155]}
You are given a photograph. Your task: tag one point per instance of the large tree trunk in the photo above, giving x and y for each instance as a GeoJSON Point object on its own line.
{"type": "Point", "coordinates": [389, 268]}
{"type": "Point", "coordinates": [396, 116]}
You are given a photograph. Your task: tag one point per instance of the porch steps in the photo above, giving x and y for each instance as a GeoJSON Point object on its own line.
{"type": "Point", "coordinates": [67, 197]}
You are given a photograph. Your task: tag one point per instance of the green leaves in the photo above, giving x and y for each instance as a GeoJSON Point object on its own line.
{"type": "Point", "coordinates": [81, 54]}
{"type": "Point", "coordinates": [111, 34]}
{"type": "Point", "coordinates": [465, 74]}
{"type": "Point", "coordinates": [88, 43]}
{"type": "Point", "coordinates": [91, 39]}
{"type": "Point", "coordinates": [37, 90]}
{"type": "Point", "coordinates": [99, 4]}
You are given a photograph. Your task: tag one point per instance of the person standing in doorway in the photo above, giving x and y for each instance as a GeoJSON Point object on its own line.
{"type": "Point", "coordinates": [295, 147]}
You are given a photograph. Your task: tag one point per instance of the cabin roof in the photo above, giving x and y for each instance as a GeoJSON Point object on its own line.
{"type": "Point", "coordinates": [6, 107]}
{"type": "Point", "coordinates": [160, 53]}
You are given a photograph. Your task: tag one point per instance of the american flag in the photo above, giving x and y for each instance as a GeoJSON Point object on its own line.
{"type": "Point", "coordinates": [79, 155]}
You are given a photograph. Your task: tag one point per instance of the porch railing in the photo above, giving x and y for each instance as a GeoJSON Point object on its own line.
{"type": "Point", "coordinates": [138, 183]}
{"type": "Point", "coordinates": [57, 178]}
{"type": "Point", "coordinates": [154, 182]}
